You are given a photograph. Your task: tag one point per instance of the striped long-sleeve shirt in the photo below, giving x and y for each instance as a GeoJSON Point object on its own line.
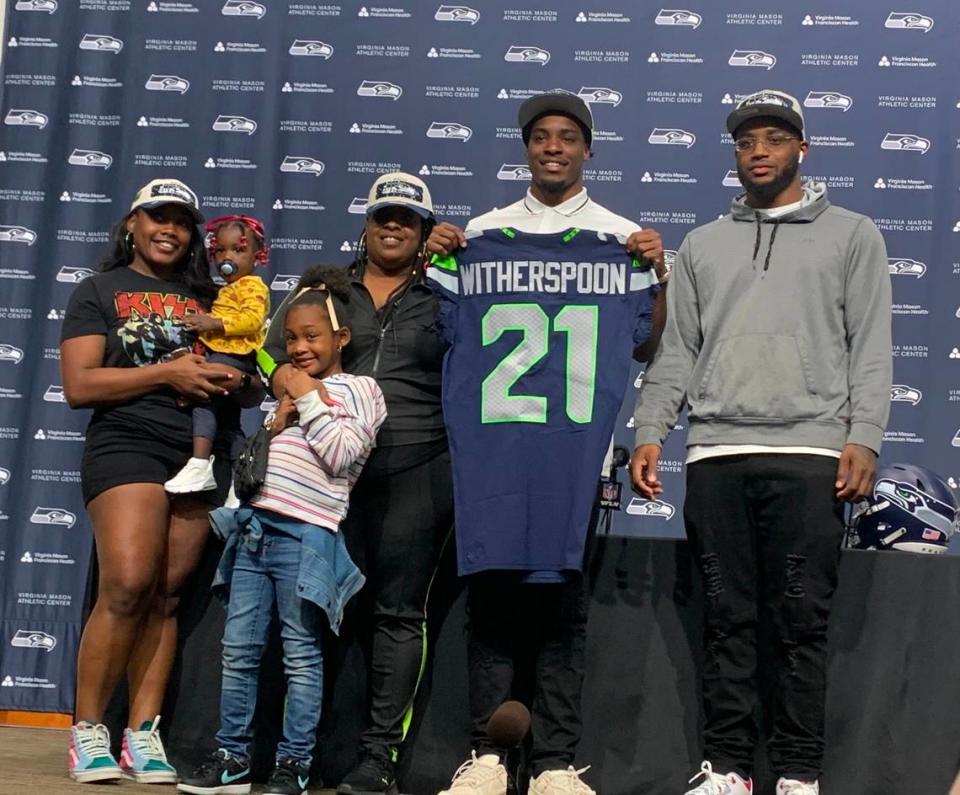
{"type": "Point", "coordinates": [311, 466]}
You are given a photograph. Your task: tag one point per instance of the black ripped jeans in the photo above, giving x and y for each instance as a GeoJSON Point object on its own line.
{"type": "Point", "coordinates": [765, 530]}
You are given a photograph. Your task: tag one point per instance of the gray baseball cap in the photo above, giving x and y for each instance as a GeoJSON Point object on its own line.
{"type": "Point", "coordinates": [768, 102]}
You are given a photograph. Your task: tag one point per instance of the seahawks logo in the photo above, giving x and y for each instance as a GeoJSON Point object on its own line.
{"type": "Point", "coordinates": [928, 510]}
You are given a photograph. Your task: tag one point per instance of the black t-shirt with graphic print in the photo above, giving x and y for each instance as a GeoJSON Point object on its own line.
{"type": "Point", "coordinates": [139, 318]}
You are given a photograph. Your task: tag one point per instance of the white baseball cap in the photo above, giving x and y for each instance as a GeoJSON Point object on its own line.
{"type": "Point", "coordinates": [398, 189]}
{"type": "Point", "coordinates": [158, 192]}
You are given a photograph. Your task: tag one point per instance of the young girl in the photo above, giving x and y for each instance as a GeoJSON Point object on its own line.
{"type": "Point", "coordinates": [232, 333]}
{"type": "Point", "coordinates": [284, 547]}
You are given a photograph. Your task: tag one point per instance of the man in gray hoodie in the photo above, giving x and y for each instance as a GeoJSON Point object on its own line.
{"type": "Point", "coordinates": [778, 340]}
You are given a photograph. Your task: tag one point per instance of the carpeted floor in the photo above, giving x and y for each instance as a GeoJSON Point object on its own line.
{"type": "Point", "coordinates": [35, 761]}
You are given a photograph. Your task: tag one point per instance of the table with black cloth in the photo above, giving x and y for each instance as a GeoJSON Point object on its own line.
{"type": "Point", "coordinates": [893, 699]}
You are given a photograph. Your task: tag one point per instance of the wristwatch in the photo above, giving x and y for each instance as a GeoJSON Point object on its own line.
{"type": "Point", "coordinates": [245, 380]}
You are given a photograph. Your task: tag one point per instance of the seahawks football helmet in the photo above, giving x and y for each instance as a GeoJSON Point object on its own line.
{"type": "Point", "coordinates": [910, 509]}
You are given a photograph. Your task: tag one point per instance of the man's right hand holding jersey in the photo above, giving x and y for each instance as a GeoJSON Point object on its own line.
{"type": "Point", "coordinates": [643, 471]}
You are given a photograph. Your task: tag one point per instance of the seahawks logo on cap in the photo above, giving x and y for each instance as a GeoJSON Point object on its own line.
{"type": "Point", "coordinates": [398, 189]}
{"type": "Point", "coordinates": [173, 190]}
{"type": "Point", "coordinates": [767, 99]}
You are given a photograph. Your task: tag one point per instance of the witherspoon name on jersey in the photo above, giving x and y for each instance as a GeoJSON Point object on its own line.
{"type": "Point", "coordinates": [536, 276]}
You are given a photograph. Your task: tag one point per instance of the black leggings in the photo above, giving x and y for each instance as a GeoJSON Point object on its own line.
{"type": "Point", "coordinates": [395, 530]}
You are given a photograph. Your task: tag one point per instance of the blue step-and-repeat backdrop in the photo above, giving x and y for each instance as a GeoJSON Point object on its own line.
{"type": "Point", "coordinates": [288, 110]}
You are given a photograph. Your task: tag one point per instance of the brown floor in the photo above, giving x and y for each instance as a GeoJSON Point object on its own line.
{"type": "Point", "coordinates": [33, 762]}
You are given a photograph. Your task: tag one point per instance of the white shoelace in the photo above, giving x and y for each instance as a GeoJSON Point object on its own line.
{"type": "Point", "coordinates": [569, 781]}
{"type": "Point", "coordinates": [94, 741]}
{"type": "Point", "coordinates": [713, 783]}
{"type": "Point", "coordinates": [148, 742]}
{"type": "Point", "coordinates": [472, 772]}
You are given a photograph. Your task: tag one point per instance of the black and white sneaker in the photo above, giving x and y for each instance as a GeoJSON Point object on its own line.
{"type": "Point", "coordinates": [289, 777]}
{"type": "Point", "coordinates": [220, 774]}
{"type": "Point", "coordinates": [372, 776]}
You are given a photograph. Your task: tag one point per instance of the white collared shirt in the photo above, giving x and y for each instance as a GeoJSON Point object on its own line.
{"type": "Point", "coordinates": [531, 215]}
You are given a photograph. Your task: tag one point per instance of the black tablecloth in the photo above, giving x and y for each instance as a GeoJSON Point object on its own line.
{"type": "Point", "coordinates": [893, 696]}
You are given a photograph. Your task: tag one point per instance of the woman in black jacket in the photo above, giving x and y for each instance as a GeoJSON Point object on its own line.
{"type": "Point", "coordinates": [401, 509]}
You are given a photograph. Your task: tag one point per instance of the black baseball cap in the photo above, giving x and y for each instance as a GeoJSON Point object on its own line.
{"type": "Point", "coordinates": [549, 103]}
{"type": "Point", "coordinates": [768, 102]}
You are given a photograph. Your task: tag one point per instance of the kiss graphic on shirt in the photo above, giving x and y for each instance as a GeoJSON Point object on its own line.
{"type": "Point", "coordinates": [150, 329]}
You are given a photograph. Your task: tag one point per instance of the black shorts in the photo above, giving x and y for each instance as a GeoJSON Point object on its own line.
{"type": "Point", "coordinates": [116, 456]}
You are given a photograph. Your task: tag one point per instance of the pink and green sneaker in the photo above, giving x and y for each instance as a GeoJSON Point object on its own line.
{"type": "Point", "coordinates": [89, 757]}
{"type": "Point", "coordinates": [143, 758]}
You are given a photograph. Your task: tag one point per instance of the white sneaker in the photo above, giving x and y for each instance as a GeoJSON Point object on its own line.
{"type": "Point", "coordinates": [790, 786]}
{"type": "Point", "coordinates": [560, 782]}
{"type": "Point", "coordinates": [719, 784]}
{"type": "Point", "coordinates": [196, 475]}
{"type": "Point", "coordinates": [483, 775]}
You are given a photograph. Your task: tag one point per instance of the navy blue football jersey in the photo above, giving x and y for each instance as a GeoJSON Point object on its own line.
{"type": "Point", "coordinates": [541, 329]}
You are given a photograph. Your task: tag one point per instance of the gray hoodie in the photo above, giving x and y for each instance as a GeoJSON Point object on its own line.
{"type": "Point", "coordinates": [777, 333]}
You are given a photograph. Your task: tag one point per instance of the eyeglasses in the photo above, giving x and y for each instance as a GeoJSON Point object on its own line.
{"type": "Point", "coordinates": [747, 143]}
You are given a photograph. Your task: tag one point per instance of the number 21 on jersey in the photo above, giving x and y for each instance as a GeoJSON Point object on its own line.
{"type": "Point", "coordinates": [577, 324]}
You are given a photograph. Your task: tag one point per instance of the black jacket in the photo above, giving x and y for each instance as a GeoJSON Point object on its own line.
{"type": "Point", "coordinates": [398, 346]}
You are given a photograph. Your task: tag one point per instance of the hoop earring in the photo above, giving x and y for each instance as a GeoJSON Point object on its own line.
{"type": "Point", "coordinates": [128, 242]}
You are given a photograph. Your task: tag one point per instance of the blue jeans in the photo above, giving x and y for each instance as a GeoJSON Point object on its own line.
{"type": "Point", "coordinates": [261, 577]}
